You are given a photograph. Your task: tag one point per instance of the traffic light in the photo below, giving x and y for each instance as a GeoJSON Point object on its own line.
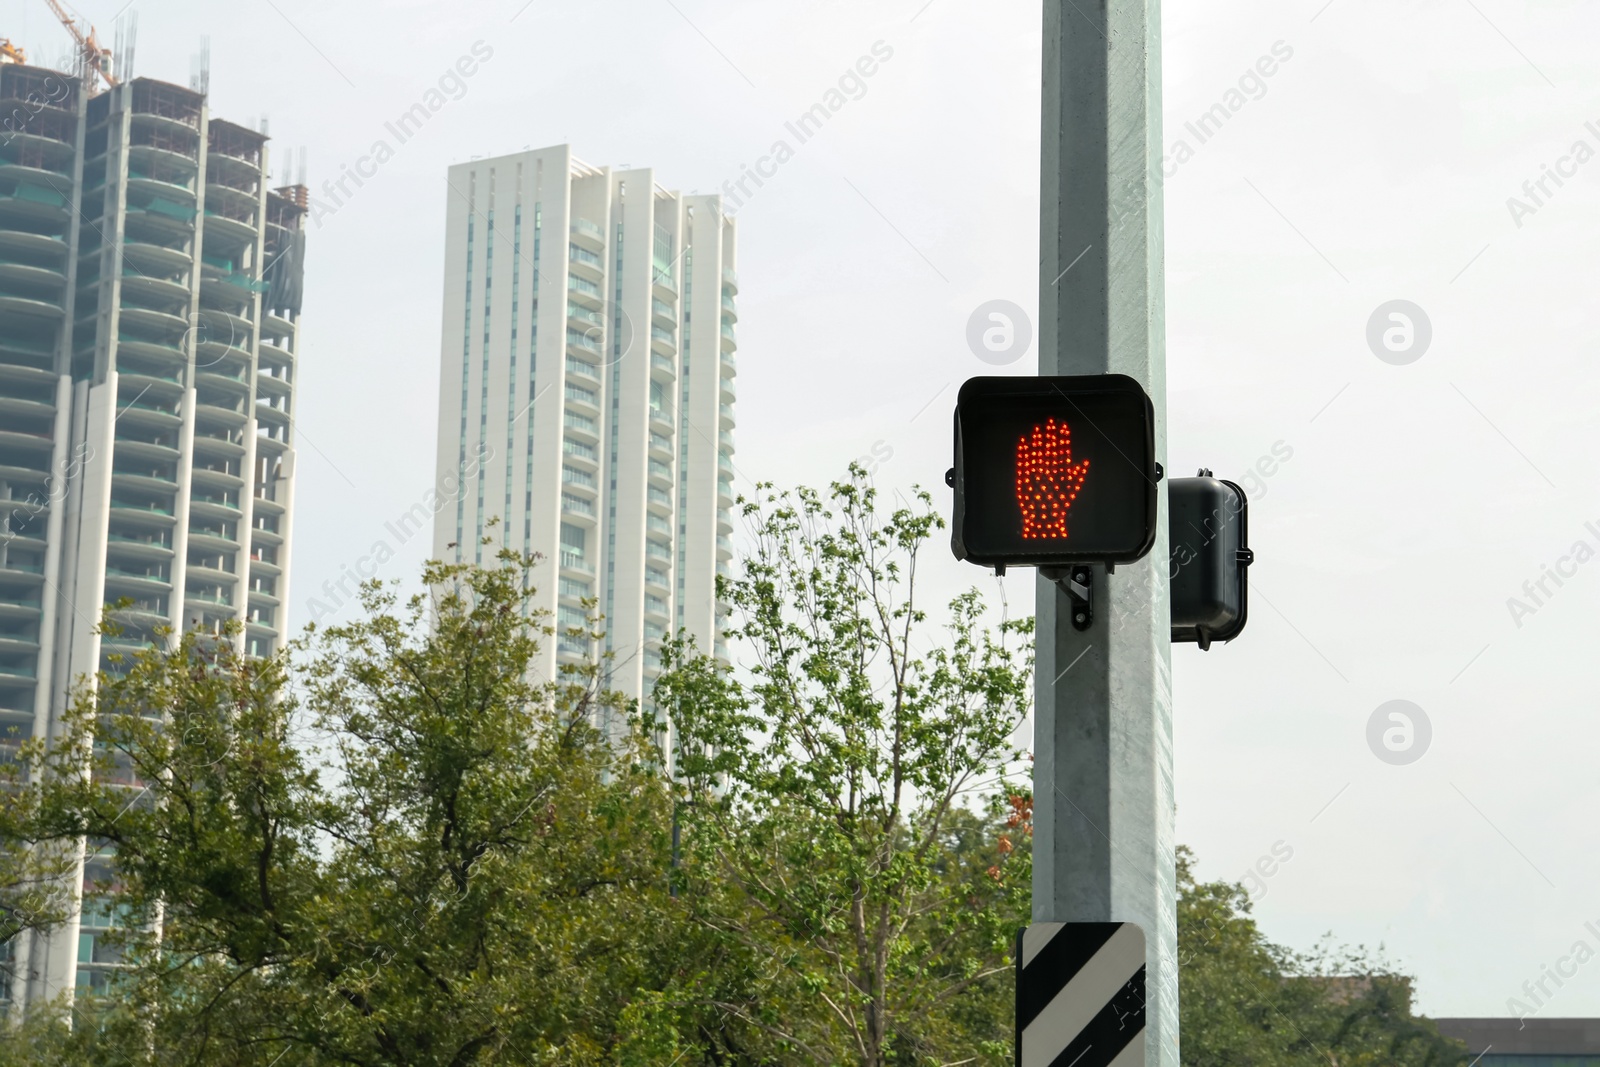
{"type": "Point", "coordinates": [1054, 471]}
{"type": "Point", "coordinates": [1208, 530]}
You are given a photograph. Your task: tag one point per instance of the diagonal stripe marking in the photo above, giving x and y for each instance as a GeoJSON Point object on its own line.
{"type": "Point", "coordinates": [1084, 998]}
{"type": "Point", "coordinates": [1055, 962]}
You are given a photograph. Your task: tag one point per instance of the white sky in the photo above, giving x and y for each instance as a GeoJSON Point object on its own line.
{"type": "Point", "coordinates": [1376, 166]}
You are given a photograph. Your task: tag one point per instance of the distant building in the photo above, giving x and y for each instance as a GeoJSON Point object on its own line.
{"type": "Point", "coordinates": [1527, 1042]}
{"type": "Point", "coordinates": [150, 288]}
{"type": "Point", "coordinates": [586, 395]}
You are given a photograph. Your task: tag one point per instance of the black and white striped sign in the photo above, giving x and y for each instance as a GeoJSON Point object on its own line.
{"type": "Point", "coordinates": [1080, 995]}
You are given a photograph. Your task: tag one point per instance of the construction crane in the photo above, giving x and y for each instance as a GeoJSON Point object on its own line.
{"type": "Point", "coordinates": [10, 53]}
{"type": "Point", "coordinates": [93, 59]}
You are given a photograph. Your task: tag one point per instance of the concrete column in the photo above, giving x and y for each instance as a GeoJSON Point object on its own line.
{"type": "Point", "coordinates": [1103, 845]}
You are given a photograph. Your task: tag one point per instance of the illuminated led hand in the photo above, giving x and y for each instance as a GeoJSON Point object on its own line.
{"type": "Point", "coordinates": [1047, 480]}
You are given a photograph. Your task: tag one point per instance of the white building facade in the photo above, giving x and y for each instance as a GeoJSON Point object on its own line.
{"type": "Point", "coordinates": [150, 290]}
{"type": "Point", "coordinates": [587, 396]}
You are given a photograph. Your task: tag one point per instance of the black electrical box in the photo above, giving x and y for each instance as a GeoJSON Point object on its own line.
{"type": "Point", "coordinates": [1209, 533]}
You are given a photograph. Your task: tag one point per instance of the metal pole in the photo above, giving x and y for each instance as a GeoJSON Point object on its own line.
{"type": "Point", "coordinates": [1103, 839]}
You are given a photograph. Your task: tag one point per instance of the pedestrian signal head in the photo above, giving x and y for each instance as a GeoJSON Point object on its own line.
{"type": "Point", "coordinates": [1052, 471]}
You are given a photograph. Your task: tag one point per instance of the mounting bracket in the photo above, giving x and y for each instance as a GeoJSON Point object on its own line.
{"type": "Point", "coordinates": [1077, 582]}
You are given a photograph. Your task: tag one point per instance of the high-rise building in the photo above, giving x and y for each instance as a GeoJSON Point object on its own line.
{"type": "Point", "coordinates": [150, 290]}
{"type": "Point", "coordinates": [586, 396]}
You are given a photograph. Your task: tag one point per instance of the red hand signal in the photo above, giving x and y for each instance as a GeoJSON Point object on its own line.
{"type": "Point", "coordinates": [1047, 480]}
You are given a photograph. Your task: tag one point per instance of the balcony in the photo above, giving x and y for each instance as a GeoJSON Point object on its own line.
{"type": "Point", "coordinates": [218, 477]}
{"type": "Point", "coordinates": [230, 446]}
{"type": "Point", "coordinates": [157, 158]}
{"type": "Point", "coordinates": [579, 452]}
{"type": "Point", "coordinates": [588, 400]}
{"type": "Point", "coordinates": [29, 440]}
{"type": "Point", "coordinates": [270, 386]}
{"type": "Point", "coordinates": [214, 506]}
{"type": "Point", "coordinates": [18, 602]}
{"type": "Point", "coordinates": [663, 341]}
{"type": "Point", "coordinates": [238, 203]}
{"type": "Point", "coordinates": [144, 545]}
{"type": "Point", "coordinates": [212, 412]}
{"type": "Point", "coordinates": [730, 280]}
{"type": "Point", "coordinates": [221, 390]}
{"type": "Point", "coordinates": [150, 582]}
{"type": "Point", "coordinates": [579, 479]}
{"type": "Point", "coordinates": [36, 203]}
{"type": "Point", "coordinates": [23, 275]}
{"type": "Point", "coordinates": [154, 258]}
{"type": "Point", "coordinates": [576, 564]}
{"type": "Point", "coordinates": [588, 232]}
{"type": "Point", "coordinates": [16, 407]}
{"type": "Point", "coordinates": [586, 343]}
{"type": "Point", "coordinates": [216, 348]}
{"type": "Point", "coordinates": [153, 289]}
{"type": "Point", "coordinates": [35, 247]}
{"type": "Point", "coordinates": [30, 306]}
{"type": "Point", "coordinates": [239, 231]}
{"type": "Point", "coordinates": [583, 369]}
{"type": "Point", "coordinates": [583, 425]}
{"type": "Point", "coordinates": [160, 323]}
{"type": "Point", "coordinates": [149, 413]}
{"type": "Point", "coordinates": [663, 367]}
{"type": "Point", "coordinates": [171, 219]}
{"type": "Point", "coordinates": [144, 184]}
{"type": "Point", "coordinates": [581, 318]}
{"type": "Point", "coordinates": [586, 263]}
{"type": "Point", "coordinates": [140, 511]}
{"type": "Point", "coordinates": [276, 326]}
{"type": "Point", "coordinates": [574, 505]}
{"type": "Point", "coordinates": [234, 168]}
{"type": "Point", "coordinates": [729, 342]}
{"type": "Point", "coordinates": [665, 287]}
{"type": "Point", "coordinates": [725, 416]}
{"type": "Point", "coordinates": [585, 292]}
{"type": "Point", "coordinates": [231, 292]}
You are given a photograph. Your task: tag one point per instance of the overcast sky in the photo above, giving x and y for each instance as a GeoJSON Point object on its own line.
{"type": "Point", "coordinates": [1374, 165]}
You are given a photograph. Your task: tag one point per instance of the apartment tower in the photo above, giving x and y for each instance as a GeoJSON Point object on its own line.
{"type": "Point", "coordinates": [150, 290]}
{"type": "Point", "coordinates": [586, 396]}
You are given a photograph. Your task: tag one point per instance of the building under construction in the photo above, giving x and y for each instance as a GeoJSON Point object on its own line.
{"type": "Point", "coordinates": [150, 291]}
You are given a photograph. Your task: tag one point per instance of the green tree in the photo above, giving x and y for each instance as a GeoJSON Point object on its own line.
{"type": "Point", "coordinates": [830, 837]}
{"type": "Point", "coordinates": [420, 854]}
{"type": "Point", "coordinates": [1247, 1002]}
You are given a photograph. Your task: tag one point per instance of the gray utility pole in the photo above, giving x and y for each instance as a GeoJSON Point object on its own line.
{"type": "Point", "coordinates": [1103, 834]}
